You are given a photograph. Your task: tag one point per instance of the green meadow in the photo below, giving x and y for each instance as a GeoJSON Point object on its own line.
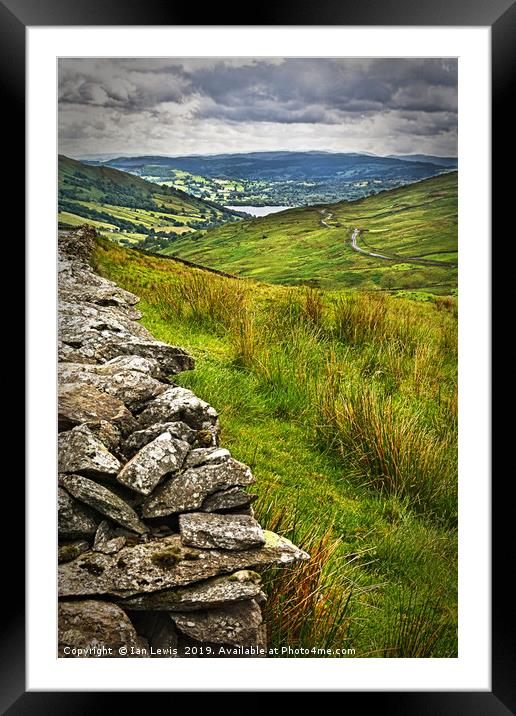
{"type": "Point", "coordinates": [344, 403]}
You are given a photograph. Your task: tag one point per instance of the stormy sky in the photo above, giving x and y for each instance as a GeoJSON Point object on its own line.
{"type": "Point", "coordinates": [175, 106]}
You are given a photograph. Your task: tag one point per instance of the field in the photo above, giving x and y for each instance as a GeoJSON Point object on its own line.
{"type": "Point", "coordinates": [344, 404]}
{"type": "Point", "coordinates": [129, 209]}
{"type": "Point", "coordinates": [222, 191]}
{"type": "Point", "coordinates": [413, 225]}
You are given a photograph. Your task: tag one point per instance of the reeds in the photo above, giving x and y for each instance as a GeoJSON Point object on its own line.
{"type": "Point", "coordinates": [310, 604]}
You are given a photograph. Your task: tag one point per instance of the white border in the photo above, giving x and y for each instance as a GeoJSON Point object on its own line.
{"type": "Point", "coordinates": [471, 671]}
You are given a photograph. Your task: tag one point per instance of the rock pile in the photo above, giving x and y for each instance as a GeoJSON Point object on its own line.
{"type": "Point", "coordinates": [159, 549]}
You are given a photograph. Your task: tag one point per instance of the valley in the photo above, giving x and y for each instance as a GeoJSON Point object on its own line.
{"type": "Point", "coordinates": [258, 357]}
{"type": "Point", "coordinates": [342, 401]}
{"type": "Point", "coordinates": [401, 240]}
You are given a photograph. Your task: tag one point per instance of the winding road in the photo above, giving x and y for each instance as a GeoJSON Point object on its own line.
{"type": "Point", "coordinates": [355, 235]}
{"type": "Point", "coordinates": [400, 259]}
{"type": "Point", "coordinates": [325, 214]}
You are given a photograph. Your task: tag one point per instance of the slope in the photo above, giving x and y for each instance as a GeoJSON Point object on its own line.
{"type": "Point", "coordinates": [345, 407]}
{"type": "Point", "coordinates": [413, 227]}
{"type": "Point", "coordinates": [129, 208]}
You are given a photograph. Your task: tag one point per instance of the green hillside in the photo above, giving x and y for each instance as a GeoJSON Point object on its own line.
{"type": "Point", "coordinates": [344, 404]}
{"type": "Point", "coordinates": [129, 209]}
{"type": "Point", "coordinates": [414, 226]}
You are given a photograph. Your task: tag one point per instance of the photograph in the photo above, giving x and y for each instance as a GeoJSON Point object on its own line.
{"type": "Point", "coordinates": [258, 357]}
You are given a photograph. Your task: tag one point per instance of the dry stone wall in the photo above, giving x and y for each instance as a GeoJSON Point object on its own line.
{"type": "Point", "coordinates": [159, 551]}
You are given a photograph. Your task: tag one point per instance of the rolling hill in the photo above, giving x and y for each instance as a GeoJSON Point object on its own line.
{"type": "Point", "coordinates": [128, 208]}
{"type": "Point", "coordinates": [448, 162]}
{"type": "Point", "coordinates": [412, 230]}
{"type": "Point", "coordinates": [284, 165]}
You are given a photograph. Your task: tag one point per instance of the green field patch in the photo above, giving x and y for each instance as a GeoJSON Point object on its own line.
{"type": "Point", "coordinates": [66, 217]}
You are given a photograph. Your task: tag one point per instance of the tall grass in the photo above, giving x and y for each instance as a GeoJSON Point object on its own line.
{"type": "Point", "coordinates": [373, 376]}
{"type": "Point", "coordinates": [361, 317]}
{"type": "Point", "coordinates": [389, 447]}
{"type": "Point", "coordinates": [413, 630]}
{"type": "Point", "coordinates": [212, 302]}
{"type": "Point", "coordinates": [308, 604]}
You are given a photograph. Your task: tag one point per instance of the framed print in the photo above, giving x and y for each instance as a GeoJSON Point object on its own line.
{"type": "Point", "coordinates": [258, 271]}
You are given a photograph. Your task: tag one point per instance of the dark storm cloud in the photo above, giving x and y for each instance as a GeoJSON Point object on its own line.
{"type": "Point", "coordinates": [293, 91]}
{"type": "Point", "coordinates": [118, 84]}
{"type": "Point", "coordinates": [217, 97]}
{"type": "Point", "coordinates": [327, 87]}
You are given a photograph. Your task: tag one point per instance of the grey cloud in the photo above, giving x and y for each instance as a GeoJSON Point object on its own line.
{"type": "Point", "coordinates": [345, 85]}
{"type": "Point", "coordinates": [150, 101]}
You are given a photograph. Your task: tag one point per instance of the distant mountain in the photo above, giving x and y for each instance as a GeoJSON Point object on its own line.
{"type": "Point", "coordinates": [281, 166]}
{"type": "Point", "coordinates": [278, 178]}
{"type": "Point", "coordinates": [448, 162]}
{"type": "Point", "coordinates": [129, 207]}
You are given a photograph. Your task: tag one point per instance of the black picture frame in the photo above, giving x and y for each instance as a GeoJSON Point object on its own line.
{"type": "Point", "coordinates": [500, 15]}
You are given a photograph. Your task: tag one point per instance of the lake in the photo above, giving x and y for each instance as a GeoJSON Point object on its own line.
{"type": "Point", "coordinates": [259, 210]}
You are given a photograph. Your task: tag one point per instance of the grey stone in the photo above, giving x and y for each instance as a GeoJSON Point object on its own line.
{"type": "Point", "coordinates": [180, 404]}
{"type": "Point", "coordinates": [80, 451]}
{"type": "Point", "coordinates": [234, 624]}
{"type": "Point", "coordinates": [77, 245]}
{"type": "Point", "coordinates": [220, 531]}
{"type": "Point", "coordinates": [188, 490]}
{"type": "Point", "coordinates": [72, 354]}
{"type": "Point", "coordinates": [215, 592]}
{"type": "Point", "coordinates": [80, 322]}
{"type": "Point", "coordinates": [230, 499]}
{"type": "Point", "coordinates": [165, 563]}
{"type": "Point", "coordinates": [103, 500]}
{"type": "Point", "coordinates": [105, 294]}
{"type": "Point", "coordinates": [96, 295]}
{"type": "Point", "coordinates": [79, 403]}
{"type": "Point", "coordinates": [147, 468]}
{"type": "Point", "coordinates": [124, 379]}
{"type": "Point", "coordinates": [140, 438]}
{"type": "Point", "coordinates": [100, 346]}
{"type": "Point", "coordinates": [207, 456]}
{"type": "Point", "coordinates": [148, 366]}
{"type": "Point", "coordinates": [90, 628]}
{"type": "Point", "coordinates": [109, 435]}
{"type": "Point", "coordinates": [106, 539]}
{"type": "Point", "coordinates": [172, 359]}
{"type": "Point", "coordinates": [99, 334]}
{"type": "Point", "coordinates": [102, 329]}
{"type": "Point", "coordinates": [74, 519]}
